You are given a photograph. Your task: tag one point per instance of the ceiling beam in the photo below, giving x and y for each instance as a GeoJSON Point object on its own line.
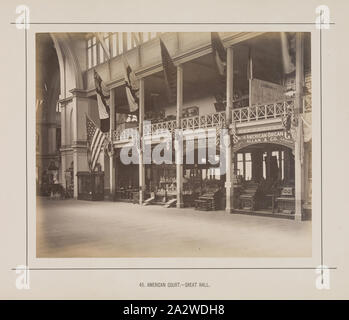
{"type": "Point", "coordinates": [205, 66]}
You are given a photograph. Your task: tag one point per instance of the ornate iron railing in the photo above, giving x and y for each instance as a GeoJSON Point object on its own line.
{"type": "Point", "coordinates": [124, 134]}
{"type": "Point", "coordinates": [159, 127]}
{"type": "Point", "coordinates": [216, 120]}
{"type": "Point", "coordinates": [205, 121]}
{"type": "Point", "coordinates": [263, 112]}
{"type": "Point", "coordinates": [192, 123]}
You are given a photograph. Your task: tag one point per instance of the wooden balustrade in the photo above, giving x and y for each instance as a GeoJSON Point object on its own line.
{"type": "Point", "coordinates": [190, 123]}
{"type": "Point", "coordinates": [216, 120]}
{"type": "Point", "coordinates": [263, 112]}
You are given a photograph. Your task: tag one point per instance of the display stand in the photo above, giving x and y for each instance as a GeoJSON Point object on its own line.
{"type": "Point", "coordinates": [90, 185]}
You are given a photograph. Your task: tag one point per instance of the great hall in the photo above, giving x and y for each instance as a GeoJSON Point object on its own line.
{"type": "Point", "coordinates": [254, 85]}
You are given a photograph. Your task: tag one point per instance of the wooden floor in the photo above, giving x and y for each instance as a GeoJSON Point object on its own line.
{"type": "Point", "coordinates": [76, 228]}
{"type": "Point", "coordinates": [265, 213]}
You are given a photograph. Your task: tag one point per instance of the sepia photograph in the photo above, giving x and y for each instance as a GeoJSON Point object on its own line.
{"type": "Point", "coordinates": [173, 144]}
{"type": "Point", "coordinates": [174, 150]}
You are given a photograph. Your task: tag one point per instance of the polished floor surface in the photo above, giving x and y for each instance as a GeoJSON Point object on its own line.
{"type": "Point", "coordinates": [74, 228]}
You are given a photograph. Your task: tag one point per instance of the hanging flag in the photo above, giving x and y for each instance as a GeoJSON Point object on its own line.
{"type": "Point", "coordinates": [170, 73]}
{"type": "Point", "coordinates": [220, 57]}
{"type": "Point", "coordinates": [132, 87]}
{"type": "Point", "coordinates": [219, 53]}
{"type": "Point", "coordinates": [95, 142]}
{"type": "Point", "coordinates": [288, 48]}
{"type": "Point", "coordinates": [103, 102]}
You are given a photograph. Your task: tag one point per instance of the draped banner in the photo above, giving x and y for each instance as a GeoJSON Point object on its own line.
{"type": "Point", "coordinates": [220, 57]}
{"type": "Point", "coordinates": [288, 48]}
{"type": "Point", "coordinates": [170, 73]}
{"type": "Point", "coordinates": [219, 53]}
{"type": "Point", "coordinates": [103, 102]}
{"type": "Point", "coordinates": [132, 87]}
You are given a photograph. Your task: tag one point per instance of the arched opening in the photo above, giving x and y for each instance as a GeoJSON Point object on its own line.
{"type": "Point", "coordinates": [268, 161]}
{"type": "Point", "coordinates": [265, 178]}
{"type": "Point", "coordinates": [48, 124]}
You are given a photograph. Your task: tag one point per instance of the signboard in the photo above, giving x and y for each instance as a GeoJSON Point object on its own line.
{"type": "Point", "coordinates": [265, 91]}
{"type": "Point", "coordinates": [277, 137]}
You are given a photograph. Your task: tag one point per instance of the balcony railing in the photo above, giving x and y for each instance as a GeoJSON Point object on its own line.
{"type": "Point", "coordinates": [192, 123]}
{"type": "Point", "coordinates": [215, 120]}
{"type": "Point", "coordinates": [160, 127]}
{"type": "Point", "coordinates": [263, 112]}
{"type": "Point", "coordinates": [212, 120]}
{"type": "Point", "coordinates": [124, 134]}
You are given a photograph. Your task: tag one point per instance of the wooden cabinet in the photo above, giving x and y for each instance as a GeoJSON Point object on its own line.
{"type": "Point", "coordinates": [90, 185]}
{"type": "Point", "coordinates": [285, 203]}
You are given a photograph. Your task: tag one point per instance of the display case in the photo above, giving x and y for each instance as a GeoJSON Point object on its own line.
{"type": "Point", "coordinates": [164, 183]}
{"type": "Point", "coordinates": [212, 195]}
{"type": "Point", "coordinates": [90, 185]}
{"type": "Point", "coordinates": [125, 194]}
{"type": "Point", "coordinates": [285, 203]}
{"type": "Point", "coordinates": [69, 183]}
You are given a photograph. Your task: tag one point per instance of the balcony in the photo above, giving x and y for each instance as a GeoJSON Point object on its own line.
{"type": "Point", "coordinates": [214, 120]}
{"type": "Point", "coordinates": [263, 112]}
{"type": "Point", "coordinates": [243, 117]}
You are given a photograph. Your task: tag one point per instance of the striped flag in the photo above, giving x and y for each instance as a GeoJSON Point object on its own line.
{"type": "Point", "coordinates": [219, 53]}
{"type": "Point", "coordinates": [95, 140]}
{"type": "Point", "coordinates": [170, 73]}
{"type": "Point", "coordinates": [103, 102]}
{"type": "Point", "coordinates": [132, 87]}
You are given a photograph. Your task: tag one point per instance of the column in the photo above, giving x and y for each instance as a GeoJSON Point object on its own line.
{"type": "Point", "coordinates": [80, 105]}
{"type": "Point", "coordinates": [268, 164]}
{"type": "Point", "coordinates": [287, 159]}
{"type": "Point", "coordinates": [280, 164]}
{"type": "Point", "coordinates": [244, 164]}
{"type": "Point", "coordinates": [250, 75]}
{"type": "Point", "coordinates": [63, 144]}
{"type": "Point", "coordinates": [257, 165]}
{"type": "Point", "coordinates": [111, 158]}
{"type": "Point", "coordinates": [299, 168]}
{"type": "Point", "coordinates": [74, 134]}
{"type": "Point", "coordinates": [229, 149]}
{"type": "Point", "coordinates": [51, 136]}
{"type": "Point", "coordinates": [140, 122]}
{"type": "Point", "coordinates": [179, 151]}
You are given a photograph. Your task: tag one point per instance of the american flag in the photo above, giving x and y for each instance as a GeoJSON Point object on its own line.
{"type": "Point", "coordinates": [96, 139]}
